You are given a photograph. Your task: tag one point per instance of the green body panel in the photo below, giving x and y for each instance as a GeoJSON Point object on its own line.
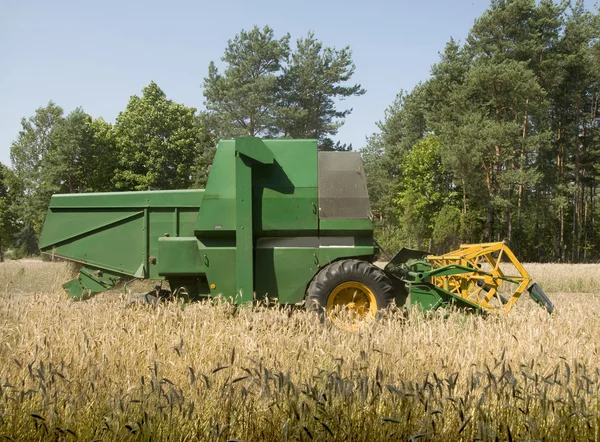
{"type": "Point", "coordinates": [247, 152]}
{"type": "Point", "coordinates": [284, 193]}
{"type": "Point", "coordinates": [220, 263]}
{"type": "Point", "coordinates": [284, 271]}
{"type": "Point", "coordinates": [179, 256]}
{"type": "Point", "coordinates": [244, 237]}
{"type": "Point", "coordinates": [345, 226]}
{"type": "Point", "coordinates": [218, 203]}
{"type": "Point", "coordinates": [283, 214]}
{"type": "Point", "coordinates": [263, 228]}
{"type": "Point", "coordinates": [118, 231]}
{"type": "Point", "coordinates": [284, 274]}
{"type": "Point", "coordinates": [90, 282]}
{"type": "Point", "coordinates": [254, 232]}
{"type": "Point", "coordinates": [416, 272]}
{"type": "Point", "coordinates": [126, 235]}
{"type": "Point", "coordinates": [109, 200]}
{"type": "Point", "coordinates": [329, 255]}
{"type": "Point", "coordinates": [281, 273]}
{"type": "Point", "coordinates": [426, 296]}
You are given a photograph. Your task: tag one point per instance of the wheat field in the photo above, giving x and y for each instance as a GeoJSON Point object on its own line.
{"type": "Point", "coordinates": [105, 370]}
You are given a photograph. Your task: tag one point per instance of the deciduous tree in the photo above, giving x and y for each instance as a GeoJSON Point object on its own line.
{"type": "Point", "coordinates": [158, 142]}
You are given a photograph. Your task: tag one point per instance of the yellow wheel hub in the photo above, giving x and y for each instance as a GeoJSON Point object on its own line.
{"type": "Point", "coordinates": [353, 301]}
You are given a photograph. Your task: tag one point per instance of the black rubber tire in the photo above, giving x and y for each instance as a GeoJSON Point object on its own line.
{"type": "Point", "coordinates": [336, 273]}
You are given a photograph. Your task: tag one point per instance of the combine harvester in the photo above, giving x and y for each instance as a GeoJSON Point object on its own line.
{"type": "Point", "coordinates": [277, 220]}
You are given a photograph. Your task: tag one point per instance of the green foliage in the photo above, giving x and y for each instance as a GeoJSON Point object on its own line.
{"type": "Point", "coordinates": [244, 98]}
{"type": "Point", "coordinates": [516, 111]}
{"type": "Point", "coordinates": [28, 154]}
{"type": "Point", "coordinates": [208, 140]}
{"type": "Point", "coordinates": [101, 157]}
{"type": "Point", "coordinates": [8, 218]}
{"type": "Point", "coordinates": [83, 155]}
{"type": "Point", "coordinates": [424, 190]}
{"type": "Point", "coordinates": [447, 229]}
{"type": "Point", "coordinates": [267, 90]}
{"type": "Point", "coordinates": [404, 125]}
{"type": "Point", "coordinates": [158, 143]}
{"type": "Point", "coordinates": [312, 81]}
{"type": "Point", "coordinates": [501, 142]}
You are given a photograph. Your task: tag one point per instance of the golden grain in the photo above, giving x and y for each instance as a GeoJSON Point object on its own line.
{"type": "Point", "coordinates": [100, 369]}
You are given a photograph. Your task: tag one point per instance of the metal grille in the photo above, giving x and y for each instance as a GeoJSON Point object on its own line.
{"type": "Point", "coordinates": [342, 186]}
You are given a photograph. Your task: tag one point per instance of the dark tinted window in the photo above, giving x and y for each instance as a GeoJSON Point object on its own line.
{"type": "Point", "coordinates": [342, 186]}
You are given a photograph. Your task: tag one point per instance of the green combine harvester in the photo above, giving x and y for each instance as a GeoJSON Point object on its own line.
{"type": "Point", "coordinates": [278, 220]}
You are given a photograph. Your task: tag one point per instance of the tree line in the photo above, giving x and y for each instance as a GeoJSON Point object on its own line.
{"type": "Point", "coordinates": [501, 142]}
{"type": "Point", "coordinates": [267, 88]}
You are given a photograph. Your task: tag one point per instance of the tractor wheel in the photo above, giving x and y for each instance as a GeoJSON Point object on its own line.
{"type": "Point", "coordinates": [349, 292]}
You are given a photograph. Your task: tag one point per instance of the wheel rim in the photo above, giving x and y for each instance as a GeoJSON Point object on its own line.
{"type": "Point", "coordinates": [354, 301]}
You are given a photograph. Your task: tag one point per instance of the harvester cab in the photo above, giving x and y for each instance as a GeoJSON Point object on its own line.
{"type": "Point", "coordinates": [277, 220]}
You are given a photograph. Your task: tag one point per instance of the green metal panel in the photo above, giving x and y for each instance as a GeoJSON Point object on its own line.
{"type": "Point", "coordinates": [155, 198]}
{"type": "Point", "coordinates": [118, 231]}
{"type": "Point", "coordinates": [244, 240]}
{"type": "Point", "coordinates": [186, 220]}
{"type": "Point", "coordinates": [285, 273]}
{"type": "Point", "coordinates": [289, 212]}
{"type": "Point", "coordinates": [345, 226]}
{"type": "Point", "coordinates": [285, 193]}
{"type": "Point", "coordinates": [424, 297]}
{"type": "Point", "coordinates": [217, 214]}
{"type": "Point", "coordinates": [428, 296]}
{"type": "Point", "coordinates": [219, 262]}
{"type": "Point", "coordinates": [255, 149]}
{"type": "Point", "coordinates": [286, 265]}
{"type": "Point", "coordinates": [248, 150]}
{"type": "Point", "coordinates": [90, 282]}
{"type": "Point", "coordinates": [330, 254]}
{"type": "Point", "coordinates": [294, 165]}
{"type": "Point", "coordinates": [161, 222]}
{"type": "Point", "coordinates": [179, 256]}
{"type": "Point", "coordinates": [65, 225]}
{"type": "Point", "coordinates": [119, 246]}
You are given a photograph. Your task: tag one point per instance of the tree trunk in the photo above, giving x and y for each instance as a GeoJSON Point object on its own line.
{"type": "Point", "coordinates": [560, 172]}
{"type": "Point", "coordinates": [509, 224]}
{"type": "Point", "coordinates": [522, 164]}
{"type": "Point", "coordinates": [562, 233]}
{"type": "Point", "coordinates": [489, 222]}
{"type": "Point", "coordinates": [576, 197]}
{"type": "Point", "coordinates": [464, 199]}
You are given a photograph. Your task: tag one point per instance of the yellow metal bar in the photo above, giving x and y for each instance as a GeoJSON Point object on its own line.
{"type": "Point", "coordinates": [476, 286]}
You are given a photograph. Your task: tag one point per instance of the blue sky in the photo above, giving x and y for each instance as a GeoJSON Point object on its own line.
{"type": "Point", "coordinates": [97, 54]}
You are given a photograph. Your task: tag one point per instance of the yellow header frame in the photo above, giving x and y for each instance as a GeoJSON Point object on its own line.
{"type": "Point", "coordinates": [483, 284]}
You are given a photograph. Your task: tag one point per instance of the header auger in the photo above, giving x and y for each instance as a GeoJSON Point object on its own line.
{"type": "Point", "coordinates": [277, 220]}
